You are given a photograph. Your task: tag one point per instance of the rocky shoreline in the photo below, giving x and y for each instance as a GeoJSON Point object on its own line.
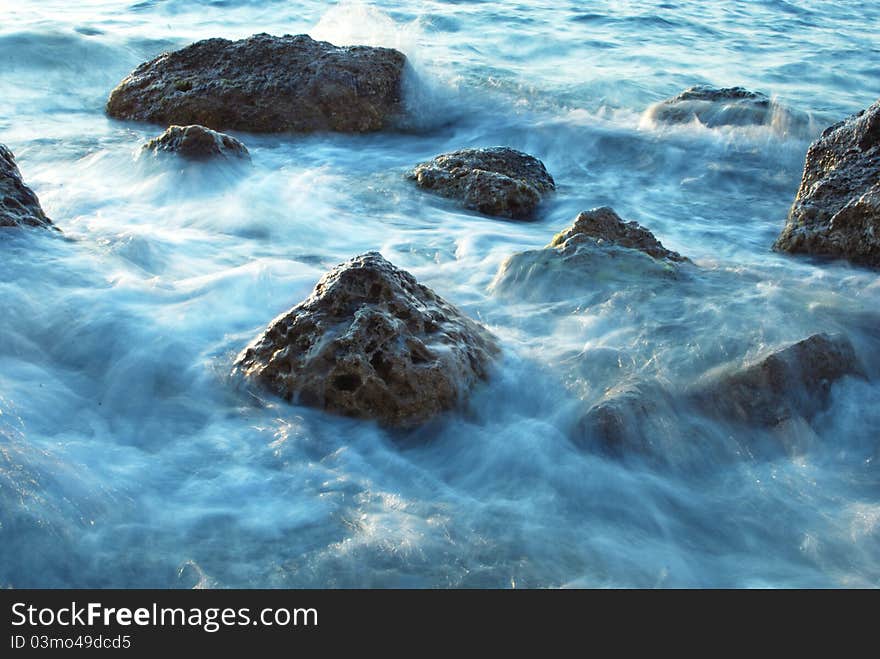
{"type": "Point", "coordinates": [372, 343]}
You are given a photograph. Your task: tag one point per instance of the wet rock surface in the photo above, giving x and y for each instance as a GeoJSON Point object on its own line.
{"type": "Point", "coordinates": [19, 205]}
{"type": "Point", "coordinates": [197, 143]}
{"type": "Point", "coordinates": [598, 248]}
{"type": "Point", "coordinates": [266, 84]}
{"type": "Point", "coordinates": [778, 394]}
{"type": "Point", "coordinates": [495, 181]}
{"type": "Point", "coordinates": [713, 107]}
{"type": "Point", "coordinates": [371, 342]}
{"type": "Point", "coordinates": [836, 212]}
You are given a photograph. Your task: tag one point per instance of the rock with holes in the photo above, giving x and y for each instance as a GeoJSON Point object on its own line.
{"type": "Point", "coordinates": [371, 342]}
{"type": "Point", "coordinates": [837, 209]}
{"type": "Point", "coordinates": [597, 250]}
{"type": "Point", "coordinates": [266, 84]}
{"type": "Point", "coordinates": [495, 181]}
{"type": "Point", "coordinates": [197, 143]}
{"type": "Point", "coordinates": [19, 205]}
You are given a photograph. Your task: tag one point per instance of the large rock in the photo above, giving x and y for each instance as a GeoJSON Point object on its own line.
{"type": "Point", "coordinates": [197, 143]}
{"type": "Point", "coordinates": [495, 181]}
{"type": "Point", "coordinates": [713, 107]}
{"type": "Point", "coordinates": [19, 205]}
{"type": "Point", "coordinates": [597, 249]}
{"type": "Point", "coordinates": [266, 84]}
{"type": "Point", "coordinates": [837, 209]}
{"type": "Point", "coordinates": [371, 342]}
{"type": "Point", "coordinates": [779, 394]}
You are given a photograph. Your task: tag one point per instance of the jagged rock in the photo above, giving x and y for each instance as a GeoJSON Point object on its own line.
{"type": "Point", "coordinates": [780, 393]}
{"type": "Point", "coordinates": [713, 107]}
{"type": "Point", "coordinates": [495, 181]}
{"type": "Point", "coordinates": [837, 209]}
{"type": "Point", "coordinates": [19, 205]}
{"type": "Point", "coordinates": [795, 381]}
{"type": "Point", "coordinates": [197, 143]}
{"type": "Point", "coordinates": [266, 84]}
{"type": "Point", "coordinates": [597, 248]}
{"type": "Point", "coordinates": [371, 342]}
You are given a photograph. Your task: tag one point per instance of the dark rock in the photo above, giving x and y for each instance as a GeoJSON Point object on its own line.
{"type": "Point", "coordinates": [837, 209]}
{"type": "Point", "coordinates": [495, 181]}
{"type": "Point", "coordinates": [599, 247]}
{"type": "Point", "coordinates": [371, 342]}
{"type": "Point", "coordinates": [19, 205]}
{"type": "Point", "coordinates": [779, 394]}
{"type": "Point", "coordinates": [197, 143]}
{"type": "Point", "coordinates": [266, 84]}
{"type": "Point", "coordinates": [728, 106]}
{"type": "Point", "coordinates": [795, 381]}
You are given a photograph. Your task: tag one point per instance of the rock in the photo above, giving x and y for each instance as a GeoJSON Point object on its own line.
{"type": "Point", "coordinates": [266, 84]}
{"type": "Point", "coordinates": [19, 205]}
{"type": "Point", "coordinates": [371, 342]}
{"type": "Point", "coordinates": [495, 181]}
{"type": "Point", "coordinates": [777, 395]}
{"type": "Point", "coordinates": [789, 383]}
{"type": "Point", "coordinates": [713, 107]}
{"type": "Point", "coordinates": [599, 247]}
{"type": "Point", "coordinates": [837, 209]}
{"type": "Point", "coordinates": [602, 225]}
{"type": "Point", "coordinates": [197, 143]}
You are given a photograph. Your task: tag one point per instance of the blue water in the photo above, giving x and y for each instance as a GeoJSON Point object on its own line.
{"type": "Point", "coordinates": [129, 459]}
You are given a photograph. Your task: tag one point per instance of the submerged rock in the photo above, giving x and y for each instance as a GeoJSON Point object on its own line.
{"type": "Point", "coordinates": [727, 106]}
{"type": "Point", "coordinates": [266, 84]}
{"type": "Point", "coordinates": [597, 248]}
{"type": "Point", "coordinates": [371, 342]}
{"type": "Point", "coordinates": [779, 394]}
{"type": "Point", "coordinates": [792, 382]}
{"type": "Point", "coordinates": [19, 205]}
{"type": "Point", "coordinates": [197, 143]}
{"type": "Point", "coordinates": [837, 209]}
{"type": "Point", "coordinates": [495, 181]}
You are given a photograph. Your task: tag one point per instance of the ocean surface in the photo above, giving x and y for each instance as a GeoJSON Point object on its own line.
{"type": "Point", "coordinates": [128, 458]}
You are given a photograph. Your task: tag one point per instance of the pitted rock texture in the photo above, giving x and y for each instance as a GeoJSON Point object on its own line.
{"type": "Point", "coordinates": [371, 342]}
{"type": "Point", "coordinates": [266, 84]}
{"type": "Point", "coordinates": [197, 143]}
{"type": "Point", "coordinates": [19, 205]}
{"type": "Point", "coordinates": [836, 212]}
{"type": "Point", "coordinates": [495, 181]}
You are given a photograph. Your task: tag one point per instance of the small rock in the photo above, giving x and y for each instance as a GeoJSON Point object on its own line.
{"type": "Point", "coordinates": [599, 247]}
{"type": "Point", "coordinates": [266, 84]}
{"type": "Point", "coordinates": [836, 211]}
{"type": "Point", "coordinates": [19, 205]}
{"type": "Point", "coordinates": [713, 107]}
{"type": "Point", "coordinates": [371, 342]}
{"type": "Point", "coordinates": [496, 181]}
{"type": "Point", "coordinates": [197, 143]}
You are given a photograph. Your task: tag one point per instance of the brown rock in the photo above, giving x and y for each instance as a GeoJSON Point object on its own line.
{"type": "Point", "coordinates": [266, 84]}
{"type": "Point", "coordinates": [197, 143]}
{"type": "Point", "coordinates": [837, 209]}
{"type": "Point", "coordinates": [371, 342]}
{"type": "Point", "coordinates": [713, 107]}
{"type": "Point", "coordinates": [495, 181]}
